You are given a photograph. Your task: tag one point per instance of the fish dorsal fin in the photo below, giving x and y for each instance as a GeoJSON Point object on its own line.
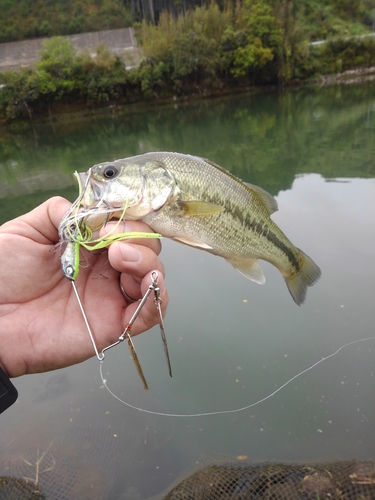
{"type": "Point", "coordinates": [266, 198]}
{"type": "Point", "coordinates": [250, 269]}
{"type": "Point", "coordinates": [199, 208]}
{"type": "Point", "coordinates": [192, 243]}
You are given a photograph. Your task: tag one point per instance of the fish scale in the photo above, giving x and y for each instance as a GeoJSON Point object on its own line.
{"type": "Point", "coordinates": [196, 202]}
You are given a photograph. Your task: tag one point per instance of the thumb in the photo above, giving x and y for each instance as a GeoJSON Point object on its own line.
{"type": "Point", "coordinates": [42, 223]}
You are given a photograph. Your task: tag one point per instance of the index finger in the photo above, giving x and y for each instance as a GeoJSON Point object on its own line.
{"type": "Point", "coordinates": [132, 227]}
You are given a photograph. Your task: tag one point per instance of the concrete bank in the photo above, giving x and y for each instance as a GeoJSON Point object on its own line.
{"type": "Point", "coordinates": [122, 42]}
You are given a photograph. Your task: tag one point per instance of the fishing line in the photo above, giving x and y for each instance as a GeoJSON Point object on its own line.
{"type": "Point", "coordinates": [236, 410]}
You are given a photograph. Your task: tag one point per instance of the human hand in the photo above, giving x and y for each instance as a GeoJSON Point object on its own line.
{"type": "Point", "coordinates": [41, 326]}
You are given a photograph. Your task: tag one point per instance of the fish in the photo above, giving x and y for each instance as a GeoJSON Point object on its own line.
{"type": "Point", "coordinates": [194, 201]}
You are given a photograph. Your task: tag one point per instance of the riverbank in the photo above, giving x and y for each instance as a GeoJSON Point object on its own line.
{"type": "Point", "coordinates": [75, 112]}
{"type": "Point", "coordinates": [67, 81]}
{"type": "Point", "coordinates": [348, 77]}
{"type": "Point", "coordinates": [72, 112]}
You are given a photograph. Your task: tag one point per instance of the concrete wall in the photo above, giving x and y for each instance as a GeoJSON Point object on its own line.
{"type": "Point", "coordinates": [121, 42]}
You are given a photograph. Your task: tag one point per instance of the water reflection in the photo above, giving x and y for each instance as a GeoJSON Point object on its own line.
{"type": "Point", "coordinates": [232, 342]}
{"type": "Point", "coordinates": [268, 139]}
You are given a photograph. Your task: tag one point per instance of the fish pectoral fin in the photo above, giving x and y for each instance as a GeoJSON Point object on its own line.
{"type": "Point", "coordinates": [192, 243]}
{"type": "Point", "coordinates": [199, 208]}
{"type": "Point", "coordinates": [250, 269]}
{"type": "Point", "coordinates": [266, 198]}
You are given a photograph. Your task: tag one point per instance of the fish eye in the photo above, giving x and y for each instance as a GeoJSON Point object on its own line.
{"type": "Point", "coordinates": [110, 171]}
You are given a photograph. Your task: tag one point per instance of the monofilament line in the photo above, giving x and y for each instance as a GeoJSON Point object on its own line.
{"type": "Point", "coordinates": [236, 410]}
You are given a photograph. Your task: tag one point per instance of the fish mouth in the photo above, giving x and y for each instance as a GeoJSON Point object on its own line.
{"type": "Point", "coordinates": [92, 192]}
{"type": "Point", "coordinates": [92, 208]}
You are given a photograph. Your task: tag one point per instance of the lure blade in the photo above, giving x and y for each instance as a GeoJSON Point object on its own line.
{"type": "Point", "coordinates": [157, 302]}
{"type": "Point", "coordinates": [126, 335]}
{"type": "Point", "coordinates": [163, 337]}
{"type": "Point", "coordinates": [135, 357]}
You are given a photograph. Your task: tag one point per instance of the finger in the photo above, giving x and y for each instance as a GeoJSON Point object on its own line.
{"type": "Point", "coordinates": [113, 228]}
{"type": "Point", "coordinates": [42, 223]}
{"type": "Point", "coordinates": [131, 287]}
{"type": "Point", "coordinates": [148, 316]}
{"type": "Point", "coordinates": [135, 260]}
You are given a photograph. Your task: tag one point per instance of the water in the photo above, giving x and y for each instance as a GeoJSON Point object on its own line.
{"type": "Point", "coordinates": [232, 343]}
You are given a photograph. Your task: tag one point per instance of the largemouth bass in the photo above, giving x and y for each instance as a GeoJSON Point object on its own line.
{"type": "Point", "coordinates": [197, 202]}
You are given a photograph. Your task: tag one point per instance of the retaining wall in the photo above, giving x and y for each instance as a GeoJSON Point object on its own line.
{"type": "Point", "coordinates": [122, 42]}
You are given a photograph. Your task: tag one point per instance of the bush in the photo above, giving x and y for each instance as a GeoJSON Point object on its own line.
{"type": "Point", "coordinates": [19, 95]}
{"type": "Point", "coordinates": [101, 79]}
{"type": "Point", "coordinates": [338, 55]}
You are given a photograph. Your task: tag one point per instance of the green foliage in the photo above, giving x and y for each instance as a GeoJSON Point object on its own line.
{"type": "Point", "coordinates": [151, 79]}
{"type": "Point", "coordinates": [292, 48]}
{"type": "Point", "coordinates": [351, 9]}
{"type": "Point", "coordinates": [207, 43]}
{"type": "Point", "coordinates": [55, 71]}
{"type": "Point", "coordinates": [337, 56]}
{"type": "Point", "coordinates": [323, 19]}
{"type": "Point", "coordinates": [19, 94]}
{"type": "Point", "coordinates": [62, 76]}
{"type": "Point", "coordinates": [198, 52]}
{"type": "Point", "coordinates": [252, 55]}
{"type": "Point", "coordinates": [23, 19]}
{"type": "Point", "coordinates": [188, 45]}
{"type": "Point", "coordinates": [101, 79]}
{"type": "Point", "coordinates": [193, 54]}
{"type": "Point", "coordinates": [256, 21]}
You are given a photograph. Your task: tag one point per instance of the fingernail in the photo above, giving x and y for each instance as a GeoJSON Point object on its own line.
{"type": "Point", "coordinates": [131, 253]}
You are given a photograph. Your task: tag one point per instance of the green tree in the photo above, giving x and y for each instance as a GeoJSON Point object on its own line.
{"type": "Point", "coordinates": [187, 45]}
{"type": "Point", "coordinates": [263, 35]}
{"type": "Point", "coordinates": [19, 94]}
{"type": "Point", "coordinates": [293, 49]}
{"type": "Point", "coordinates": [252, 55]}
{"type": "Point", "coordinates": [56, 68]}
{"type": "Point", "coordinates": [101, 79]}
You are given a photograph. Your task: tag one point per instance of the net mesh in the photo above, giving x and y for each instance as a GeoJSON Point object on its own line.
{"type": "Point", "coordinates": [12, 488]}
{"type": "Point", "coordinates": [344, 480]}
{"type": "Point", "coordinates": [62, 471]}
{"type": "Point", "coordinates": [59, 471]}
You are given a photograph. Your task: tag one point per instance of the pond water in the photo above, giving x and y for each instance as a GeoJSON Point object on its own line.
{"type": "Point", "coordinates": [232, 343]}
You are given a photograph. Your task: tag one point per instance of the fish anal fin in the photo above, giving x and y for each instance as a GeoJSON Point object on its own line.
{"type": "Point", "coordinates": [266, 198]}
{"type": "Point", "coordinates": [192, 243]}
{"type": "Point", "coordinates": [250, 269]}
{"type": "Point", "coordinates": [199, 208]}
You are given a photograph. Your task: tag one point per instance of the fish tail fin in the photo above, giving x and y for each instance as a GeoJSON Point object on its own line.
{"type": "Point", "coordinates": [308, 275]}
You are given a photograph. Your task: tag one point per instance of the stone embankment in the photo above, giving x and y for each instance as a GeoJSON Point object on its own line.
{"type": "Point", "coordinates": [122, 42]}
